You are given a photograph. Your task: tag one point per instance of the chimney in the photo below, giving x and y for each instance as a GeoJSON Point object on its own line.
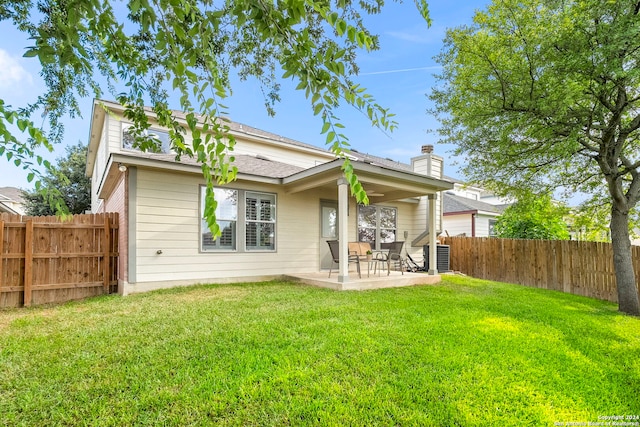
{"type": "Point", "coordinates": [428, 163]}
{"type": "Point", "coordinates": [427, 149]}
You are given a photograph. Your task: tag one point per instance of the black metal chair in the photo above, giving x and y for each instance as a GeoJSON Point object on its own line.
{"type": "Point", "coordinates": [334, 248]}
{"type": "Point", "coordinates": [394, 256]}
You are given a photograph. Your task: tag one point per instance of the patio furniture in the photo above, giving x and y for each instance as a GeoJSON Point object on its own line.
{"type": "Point", "coordinates": [394, 256]}
{"type": "Point", "coordinates": [365, 254]}
{"type": "Point", "coordinates": [379, 261]}
{"type": "Point", "coordinates": [334, 248]}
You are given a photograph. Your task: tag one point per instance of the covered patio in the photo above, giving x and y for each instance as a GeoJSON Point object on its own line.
{"type": "Point", "coordinates": [382, 184]}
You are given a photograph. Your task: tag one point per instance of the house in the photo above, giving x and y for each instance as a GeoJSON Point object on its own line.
{"type": "Point", "coordinates": [470, 211]}
{"type": "Point", "coordinates": [11, 200]}
{"type": "Point", "coordinates": [288, 200]}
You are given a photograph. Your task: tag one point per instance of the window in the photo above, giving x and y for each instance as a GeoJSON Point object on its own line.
{"type": "Point", "coordinates": [260, 221]}
{"type": "Point", "coordinates": [227, 217]}
{"type": "Point", "coordinates": [492, 227]}
{"type": "Point", "coordinates": [367, 224]}
{"type": "Point", "coordinates": [329, 216]}
{"type": "Point", "coordinates": [129, 140]}
{"type": "Point", "coordinates": [377, 224]}
{"type": "Point", "coordinates": [240, 214]}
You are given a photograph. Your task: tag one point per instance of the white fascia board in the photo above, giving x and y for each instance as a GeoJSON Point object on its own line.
{"type": "Point", "coordinates": [487, 213]}
{"type": "Point", "coordinates": [95, 133]}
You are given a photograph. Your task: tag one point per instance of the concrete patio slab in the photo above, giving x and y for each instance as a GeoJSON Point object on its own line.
{"type": "Point", "coordinates": [394, 280]}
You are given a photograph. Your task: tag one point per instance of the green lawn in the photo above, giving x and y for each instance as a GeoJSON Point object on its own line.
{"type": "Point", "coordinates": [463, 353]}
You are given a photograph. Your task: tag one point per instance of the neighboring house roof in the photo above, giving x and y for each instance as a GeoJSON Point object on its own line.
{"type": "Point", "coordinates": [11, 200]}
{"type": "Point", "coordinates": [452, 179]}
{"type": "Point", "coordinates": [11, 193]}
{"type": "Point", "coordinates": [454, 204]}
{"type": "Point", "coordinates": [502, 207]}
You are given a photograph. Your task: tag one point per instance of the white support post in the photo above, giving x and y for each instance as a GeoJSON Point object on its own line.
{"type": "Point", "coordinates": [433, 246]}
{"type": "Point", "coordinates": [343, 237]}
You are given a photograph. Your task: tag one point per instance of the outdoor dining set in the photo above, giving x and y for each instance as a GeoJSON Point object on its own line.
{"type": "Point", "coordinates": [388, 256]}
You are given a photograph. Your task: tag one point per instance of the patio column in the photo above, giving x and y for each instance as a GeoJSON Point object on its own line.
{"type": "Point", "coordinates": [433, 248]}
{"type": "Point", "coordinates": [343, 237]}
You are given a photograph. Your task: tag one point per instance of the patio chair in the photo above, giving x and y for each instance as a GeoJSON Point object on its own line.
{"type": "Point", "coordinates": [394, 256]}
{"type": "Point", "coordinates": [335, 256]}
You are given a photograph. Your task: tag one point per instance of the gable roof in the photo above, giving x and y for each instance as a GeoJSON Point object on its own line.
{"type": "Point", "coordinates": [453, 204]}
{"type": "Point", "coordinates": [11, 193]}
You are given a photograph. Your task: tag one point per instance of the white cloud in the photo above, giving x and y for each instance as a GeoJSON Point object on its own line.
{"type": "Point", "coordinates": [11, 72]}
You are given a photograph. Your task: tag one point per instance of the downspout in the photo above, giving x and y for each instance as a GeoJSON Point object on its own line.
{"type": "Point", "coordinates": [473, 225]}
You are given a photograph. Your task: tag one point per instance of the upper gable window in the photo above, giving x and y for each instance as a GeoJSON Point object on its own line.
{"type": "Point", "coordinates": [161, 136]}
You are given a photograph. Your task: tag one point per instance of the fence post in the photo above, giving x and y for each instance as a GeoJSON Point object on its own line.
{"type": "Point", "coordinates": [107, 253]}
{"type": "Point", "coordinates": [28, 262]}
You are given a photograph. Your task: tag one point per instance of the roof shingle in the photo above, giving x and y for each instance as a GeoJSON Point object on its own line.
{"type": "Point", "coordinates": [454, 203]}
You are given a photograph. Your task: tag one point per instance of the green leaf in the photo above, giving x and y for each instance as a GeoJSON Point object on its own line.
{"type": "Point", "coordinates": [331, 136]}
{"type": "Point", "coordinates": [31, 52]}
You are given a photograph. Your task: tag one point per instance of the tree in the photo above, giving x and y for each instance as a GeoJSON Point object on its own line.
{"type": "Point", "coordinates": [592, 221]}
{"type": "Point", "coordinates": [68, 179]}
{"type": "Point", "coordinates": [545, 94]}
{"type": "Point", "coordinates": [533, 217]}
{"type": "Point", "coordinates": [190, 47]}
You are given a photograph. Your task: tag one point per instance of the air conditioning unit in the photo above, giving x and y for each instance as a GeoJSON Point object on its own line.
{"type": "Point", "coordinates": [443, 257]}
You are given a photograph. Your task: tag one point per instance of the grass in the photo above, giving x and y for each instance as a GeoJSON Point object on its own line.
{"type": "Point", "coordinates": [463, 353]}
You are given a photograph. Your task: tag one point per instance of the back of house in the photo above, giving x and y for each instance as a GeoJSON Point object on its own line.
{"type": "Point", "coordinates": [275, 218]}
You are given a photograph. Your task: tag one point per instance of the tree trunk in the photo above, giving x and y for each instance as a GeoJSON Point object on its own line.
{"type": "Point", "coordinates": [628, 301]}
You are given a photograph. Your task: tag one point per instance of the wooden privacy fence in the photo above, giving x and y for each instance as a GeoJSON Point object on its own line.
{"type": "Point", "coordinates": [45, 259]}
{"type": "Point", "coordinates": [581, 268]}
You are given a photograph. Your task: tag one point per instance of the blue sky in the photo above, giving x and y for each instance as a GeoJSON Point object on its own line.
{"type": "Point", "coordinates": [399, 76]}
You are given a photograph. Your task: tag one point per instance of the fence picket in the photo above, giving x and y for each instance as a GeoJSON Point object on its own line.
{"type": "Point", "coordinates": [28, 262]}
{"type": "Point", "coordinates": [107, 253]}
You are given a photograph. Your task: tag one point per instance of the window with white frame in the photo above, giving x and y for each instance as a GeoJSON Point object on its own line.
{"type": "Point", "coordinates": [377, 224]}
{"type": "Point", "coordinates": [160, 137]}
{"type": "Point", "coordinates": [247, 221]}
{"type": "Point", "coordinates": [227, 218]}
{"type": "Point", "coordinates": [260, 221]}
